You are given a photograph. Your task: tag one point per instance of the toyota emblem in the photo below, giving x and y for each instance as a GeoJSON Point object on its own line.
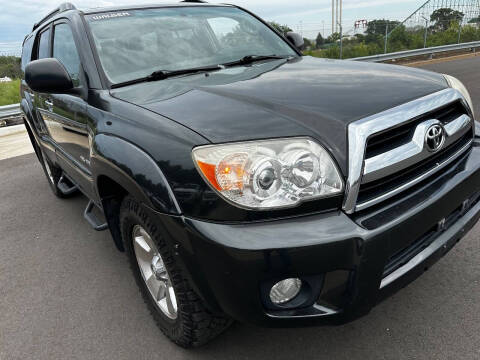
{"type": "Point", "coordinates": [435, 138]}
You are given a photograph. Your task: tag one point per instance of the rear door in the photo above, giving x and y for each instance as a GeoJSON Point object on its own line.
{"type": "Point", "coordinates": [41, 50]}
{"type": "Point", "coordinates": [64, 115]}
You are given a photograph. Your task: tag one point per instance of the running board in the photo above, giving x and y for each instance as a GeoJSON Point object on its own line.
{"type": "Point", "coordinates": [95, 223]}
{"type": "Point", "coordinates": [65, 188]}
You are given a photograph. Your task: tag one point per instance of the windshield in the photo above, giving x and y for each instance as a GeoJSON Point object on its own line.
{"type": "Point", "coordinates": [132, 44]}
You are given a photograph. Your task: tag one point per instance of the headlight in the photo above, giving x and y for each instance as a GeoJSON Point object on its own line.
{"type": "Point", "coordinates": [458, 85]}
{"type": "Point", "coordinates": [269, 174]}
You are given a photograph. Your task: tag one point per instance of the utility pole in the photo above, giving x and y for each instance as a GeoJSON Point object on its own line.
{"type": "Point", "coordinates": [426, 32]}
{"type": "Point", "coordinates": [386, 35]}
{"type": "Point", "coordinates": [341, 14]}
{"type": "Point", "coordinates": [339, 24]}
{"type": "Point", "coordinates": [459, 32]}
{"type": "Point", "coordinates": [336, 16]}
{"type": "Point", "coordinates": [341, 41]}
{"type": "Point", "coordinates": [333, 16]}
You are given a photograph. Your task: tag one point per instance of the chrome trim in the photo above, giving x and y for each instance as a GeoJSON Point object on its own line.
{"type": "Point", "coordinates": [320, 312]}
{"type": "Point", "coordinates": [458, 124]}
{"type": "Point", "coordinates": [360, 131]}
{"type": "Point", "coordinates": [413, 152]}
{"type": "Point", "coordinates": [438, 167]}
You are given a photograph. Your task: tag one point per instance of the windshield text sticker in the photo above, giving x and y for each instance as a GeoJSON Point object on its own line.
{"type": "Point", "coordinates": [110, 16]}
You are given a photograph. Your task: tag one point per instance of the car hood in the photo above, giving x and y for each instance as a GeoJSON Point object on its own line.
{"type": "Point", "coordinates": [302, 97]}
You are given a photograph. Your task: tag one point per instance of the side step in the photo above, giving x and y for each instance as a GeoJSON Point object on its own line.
{"type": "Point", "coordinates": [64, 186]}
{"type": "Point", "coordinates": [92, 219]}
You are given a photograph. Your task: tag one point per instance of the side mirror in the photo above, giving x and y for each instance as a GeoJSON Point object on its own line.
{"type": "Point", "coordinates": [48, 76]}
{"type": "Point", "coordinates": [296, 39]}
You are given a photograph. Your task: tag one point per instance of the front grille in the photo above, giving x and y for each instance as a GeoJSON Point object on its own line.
{"type": "Point", "coordinates": [393, 151]}
{"type": "Point", "coordinates": [414, 248]}
{"type": "Point", "coordinates": [376, 188]}
{"type": "Point", "coordinates": [388, 171]}
{"type": "Point", "coordinates": [397, 136]}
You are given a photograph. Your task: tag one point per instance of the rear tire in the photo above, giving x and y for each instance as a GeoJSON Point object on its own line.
{"type": "Point", "coordinates": [53, 174]}
{"type": "Point", "coordinates": [187, 323]}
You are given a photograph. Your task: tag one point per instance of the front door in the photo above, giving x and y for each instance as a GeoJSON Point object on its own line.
{"type": "Point", "coordinates": [64, 115]}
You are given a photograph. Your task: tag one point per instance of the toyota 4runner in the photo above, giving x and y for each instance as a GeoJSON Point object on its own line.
{"type": "Point", "coordinates": [243, 180]}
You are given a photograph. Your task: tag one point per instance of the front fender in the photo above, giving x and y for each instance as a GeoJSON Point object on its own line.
{"type": "Point", "coordinates": [134, 170]}
{"type": "Point", "coordinates": [28, 115]}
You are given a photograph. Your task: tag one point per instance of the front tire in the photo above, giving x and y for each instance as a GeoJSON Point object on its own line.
{"type": "Point", "coordinates": [178, 311]}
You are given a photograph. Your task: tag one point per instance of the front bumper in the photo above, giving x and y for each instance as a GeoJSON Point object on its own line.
{"type": "Point", "coordinates": [229, 264]}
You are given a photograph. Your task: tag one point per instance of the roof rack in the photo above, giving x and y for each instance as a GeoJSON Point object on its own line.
{"type": "Point", "coordinates": [63, 7]}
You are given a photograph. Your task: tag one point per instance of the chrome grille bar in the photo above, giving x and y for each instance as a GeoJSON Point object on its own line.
{"type": "Point", "coordinates": [398, 190]}
{"type": "Point", "coordinates": [413, 152]}
{"type": "Point", "coordinates": [360, 131]}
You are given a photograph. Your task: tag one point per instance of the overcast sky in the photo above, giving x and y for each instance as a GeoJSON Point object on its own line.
{"type": "Point", "coordinates": [18, 16]}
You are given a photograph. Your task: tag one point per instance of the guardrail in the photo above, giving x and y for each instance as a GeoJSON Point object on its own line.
{"type": "Point", "coordinates": [9, 111]}
{"type": "Point", "coordinates": [419, 52]}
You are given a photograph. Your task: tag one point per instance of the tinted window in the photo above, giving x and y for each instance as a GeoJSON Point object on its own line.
{"type": "Point", "coordinates": [65, 51]}
{"type": "Point", "coordinates": [27, 52]}
{"type": "Point", "coordinates": [44, 45]}
{"type": "Point", "coordinates": [133, 44]}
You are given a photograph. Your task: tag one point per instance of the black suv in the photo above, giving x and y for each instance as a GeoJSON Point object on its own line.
{"type": "Point", "coordinates": [243, 180]}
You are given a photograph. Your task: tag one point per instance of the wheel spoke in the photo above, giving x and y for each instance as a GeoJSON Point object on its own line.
{"type": "Point", "coordinates": [162, 291]}
{"type": "Point", "coordinates": [153, 284]}
{"type": "Point", "coordinates": [142, 244]}
{"type": "Point", "coordinates": [171, 299]}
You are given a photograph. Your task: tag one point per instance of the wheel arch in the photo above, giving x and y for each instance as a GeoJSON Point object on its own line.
{"type": "Point", "coordinates": [121, 168]}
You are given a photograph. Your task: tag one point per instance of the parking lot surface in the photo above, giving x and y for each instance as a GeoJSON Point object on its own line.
{"type": "Point", "coordinates": [67, 293]}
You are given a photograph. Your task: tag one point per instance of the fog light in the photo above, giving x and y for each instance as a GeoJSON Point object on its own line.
{"type": "Point", "coordinates": [285, 290]}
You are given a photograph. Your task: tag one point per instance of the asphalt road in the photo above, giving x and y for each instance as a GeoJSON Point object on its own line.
{"type": "Point", "coordinates": [66, 293]}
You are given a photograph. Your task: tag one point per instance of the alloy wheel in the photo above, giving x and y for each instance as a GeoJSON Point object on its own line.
{"type": "Point", "coordinates": [154, 272]}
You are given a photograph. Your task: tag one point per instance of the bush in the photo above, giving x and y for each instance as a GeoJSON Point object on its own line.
{"type": "Point", "coordinates": [400, 39]}
{"type": "Point", "coordinates": [10, 92]}
{"type": "Point", "coordinates": [10, 66]}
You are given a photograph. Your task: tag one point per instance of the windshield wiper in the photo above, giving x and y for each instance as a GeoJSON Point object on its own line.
{"type": "Point", "coordinates": [165, 74]}
{"type": "Point", "coordinates": [250, 59]}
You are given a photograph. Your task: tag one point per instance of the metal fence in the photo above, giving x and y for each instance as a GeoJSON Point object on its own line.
{"type": "Point", "coordinates": [473, 46]}
{"type": "Point", "coordinates": [387, 36]}
{"type": "Point", "coordinates": [9, 111]}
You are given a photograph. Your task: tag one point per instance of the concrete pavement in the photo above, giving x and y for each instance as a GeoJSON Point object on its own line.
{"type": "Point", "coordinates": [67, 293]}
{"type": "Point", "coordinates": [14, 141]}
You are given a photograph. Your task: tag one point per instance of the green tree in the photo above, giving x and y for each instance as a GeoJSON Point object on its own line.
{"type": "Point", "coordinates": [319, 41]}
{"type": "Point", "coordinates": [10, 66]}
{"type": "Point", "coordinates": [444, 17]}
{"type": "Point", "coordinates": [333, 38]}
{"type": "Point", "coordinates": [308, 43]}
{"type": "Point", "coordinates": [379, 27]}
{"type": "Point", "coordinates": [282, 29]}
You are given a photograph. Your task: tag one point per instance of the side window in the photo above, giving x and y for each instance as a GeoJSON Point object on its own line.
{"type": "Point", "coordinates": [44, 45]}
{"type": "Point", "coordinates": [27, 52]}
{"type": "Point", "coordinates": [65, 51]}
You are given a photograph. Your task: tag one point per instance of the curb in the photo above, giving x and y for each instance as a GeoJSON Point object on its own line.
{"type": "Point", "coordinates": [10, 130]}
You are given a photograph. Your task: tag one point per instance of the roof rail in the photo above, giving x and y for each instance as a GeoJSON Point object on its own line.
{"type": "Point", "coordinates": [63, 7]}
{"type": "Point", "coordinates": [194, 1]}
